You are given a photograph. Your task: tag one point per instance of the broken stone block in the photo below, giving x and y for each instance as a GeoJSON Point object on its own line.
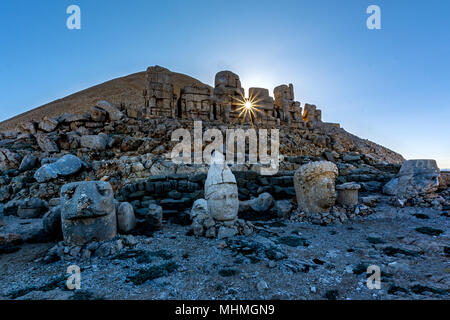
{"type": "Point", "coordinates": [48, 125]}
{"type": "Point", "coordinates": [95, 142]}
{"type": "Point", "coordinates": [31, 208]}
{"type": "Point", "coordinates": [347, 194]}
{"type": "Point", "coordinates": [46, 143]}
{"type": "Point", "coordinates": [113, 112]}
{"type": "Point", "coordinates": [98, 114]}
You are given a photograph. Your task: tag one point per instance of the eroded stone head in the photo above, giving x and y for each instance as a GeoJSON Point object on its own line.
{"type": "Point", "coordinates": [315, 186]}
{"type": "Point", "coordinates": [88, 212]}
{"type": "Point", "coordinates": [221, 191]}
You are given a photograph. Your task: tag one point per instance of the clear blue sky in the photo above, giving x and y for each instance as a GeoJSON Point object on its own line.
{"type": "Point", "coordinates": [391, 86]}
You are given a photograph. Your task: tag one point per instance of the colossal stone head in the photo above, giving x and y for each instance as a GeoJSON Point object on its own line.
{"type": "Point", "coordinates": [314, 186]}
{"type": "Point", "coordinates": [221, 191]}
{"type": "Point", "coordinates": [88, 212]}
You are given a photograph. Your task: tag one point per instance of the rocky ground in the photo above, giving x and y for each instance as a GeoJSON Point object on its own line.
{"type": "Point", "coordinates": [282, 259]}
{"type": "Point", "coordinates": [290, 255]}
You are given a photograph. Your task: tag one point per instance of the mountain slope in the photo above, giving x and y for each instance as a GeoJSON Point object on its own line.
{"type": "Point", "coordinates": [128, 88]}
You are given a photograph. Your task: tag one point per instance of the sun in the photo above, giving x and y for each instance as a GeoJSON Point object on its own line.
{"type": "Point", "coordinates": [247, 108]}
{"type": "Point", "coordinates": [248, 105]}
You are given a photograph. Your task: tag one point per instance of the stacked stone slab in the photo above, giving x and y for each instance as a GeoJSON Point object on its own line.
{"type": "Point", "coordinates": [158, 94]}
{"type": "Point", "coordinates": [223, 103]}
{"type": "Point", "coordinates": [286, 108]}
{"type": "Point", "coordinates": [265, 105]}
{"type": "Point", "coordinates": [227, 94]}
{"type": "Point", "coordinates": [195, 103]}
{"type": "Point", "coordinates": [312, 115]}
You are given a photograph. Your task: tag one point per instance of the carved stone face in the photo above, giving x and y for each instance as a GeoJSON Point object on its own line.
{"type": "Point", "coordinates": [88, 212]}
{"type": "Point", "coordinates": [223, 202]}
{"type": "Point", "coordinates": [315, 187]}
{"type": "Point", "coordinates": [323, 191]}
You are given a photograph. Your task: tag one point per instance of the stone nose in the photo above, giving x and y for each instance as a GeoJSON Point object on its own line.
{"type": "Point", "coordinates": [83, 202]}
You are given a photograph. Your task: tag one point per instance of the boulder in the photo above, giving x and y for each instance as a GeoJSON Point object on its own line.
{"type": "Point", "coordinates": [154, 217]}
{"type": "Point", "coordinates": [416, 177]}
{"type": "Point", "coordinates": [95, 142]}
{"type": "Point", "coordinates": [29, 162]}
{"type": "Point", "coordinates": [283, 208]}
{"type": "Point", "coordinates": [113, 112]}
{"type": "Point", "coordinates": [65, 166]}
{"type": "Point", "coordinates": [52, 222]}
{"type": "Point", "coordinates": [47, 124]}
{"type": "Point", "coordinates": [9, 160]}
{"type": "Point", "coordinates": [126, 220]}
{"type": "Point", "coordinates": [46, 143]}
{"type": "Point", "coordinates": [31, 208]}
{"type": "Point", "coordinates": [262, 203]}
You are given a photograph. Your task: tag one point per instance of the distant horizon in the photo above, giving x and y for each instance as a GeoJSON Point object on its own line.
{"type": "Point", "coordinates": [389, 86]}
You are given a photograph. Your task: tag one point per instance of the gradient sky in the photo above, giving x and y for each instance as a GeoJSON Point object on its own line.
{"type": "Point", "coordinates": [391, 86]}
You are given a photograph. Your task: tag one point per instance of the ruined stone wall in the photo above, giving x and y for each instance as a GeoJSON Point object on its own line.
{"type": "Point", "coordinates": [223, 103]}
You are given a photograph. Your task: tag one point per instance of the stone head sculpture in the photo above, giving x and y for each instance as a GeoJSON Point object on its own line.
{"type": "Point", "coordinates": [221, 191]}
{"type": "Point", "coordinates": [88, 212]}
{"type": "Point", "coordinates": [315, 186]}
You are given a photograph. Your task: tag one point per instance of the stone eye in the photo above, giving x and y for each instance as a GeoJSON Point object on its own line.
{"type": "Point", "coordinates": [103, 191]}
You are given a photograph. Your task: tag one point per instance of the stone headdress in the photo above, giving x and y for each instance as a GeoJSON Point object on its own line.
{"type": "Point", "coordinates": [218, 173]}
{"type": "Point", "coordinates": [311, 170]}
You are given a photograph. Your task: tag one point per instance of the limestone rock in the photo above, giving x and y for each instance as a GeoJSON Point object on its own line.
{"type": "Point", "coordinates": [28, 162]}
{"type": "Point", "coordinates": [52, 222]}
{"type": "Point", "coordinates": [126, 220]}
{"type": "Point", "coordinates": [46, 143]}
{"type": "Point", "coordinates": [95, 142]}
{"type": "Point", "coordinates": [416, 177]}
{"type": "Point", "coordinates": [9, 160]}
{"type": "Point", "coordinates": [262, 203]}
{"type": "Point", "coordinates": [113, 112]}
{"type": "Point", "coordinates": [154, 217]}
{"type": "Point", "coordinates": [65, 166]}
{"type": "Point", "coordinates": [88, 212]}
{"type": "Point", "coordinates": [31, 208]}
{"type": "Point", "coordinates": [47, 124]}
{"type": "Point", "coordinates": [283, 208]}
{"type": "Point", "coordinates": [315, 187]}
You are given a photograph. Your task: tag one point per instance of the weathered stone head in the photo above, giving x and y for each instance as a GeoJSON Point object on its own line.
{"type": "Point", "coordinates": [221, 191]}
{"type": "Point", "coordinates": [88, 212]}
{"type": "Point", "coordinates": [314, 186]}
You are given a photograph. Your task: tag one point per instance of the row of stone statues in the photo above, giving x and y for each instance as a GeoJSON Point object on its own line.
{"type": "Point", "coordinates": [224, 101]}
{"type": "Point", "coordinates": [90, 213]}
